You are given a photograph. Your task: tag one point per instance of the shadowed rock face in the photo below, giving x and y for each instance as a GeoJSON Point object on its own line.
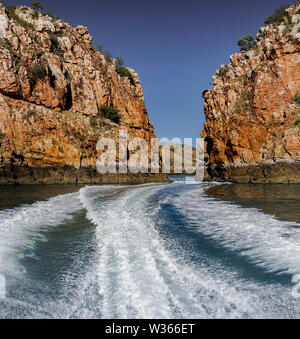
{"type": "Point", "coordinates": [252, 131]}
{"type": "Point", "coordinates": [53, 84]}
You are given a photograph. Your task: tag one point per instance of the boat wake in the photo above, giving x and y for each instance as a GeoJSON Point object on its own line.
{"type": "Point", "coordinates": [268, 242]}
{"type": "Point", "coordinates": [133, 270]}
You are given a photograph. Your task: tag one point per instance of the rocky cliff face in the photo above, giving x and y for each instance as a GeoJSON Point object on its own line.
{"type": "Point", "coordinates": [252, 131]}
{"type": "Point", "coordinates": [53, 85]}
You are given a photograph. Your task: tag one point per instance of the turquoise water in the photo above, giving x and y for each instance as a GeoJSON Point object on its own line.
{"type": "Point", "coordinates": [180, 250]}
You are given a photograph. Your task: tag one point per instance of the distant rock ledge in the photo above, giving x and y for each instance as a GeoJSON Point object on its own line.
{"type": "Point", "coordinates": [37, 175]}
{"type": "Point", "coordinates": [283, 172]}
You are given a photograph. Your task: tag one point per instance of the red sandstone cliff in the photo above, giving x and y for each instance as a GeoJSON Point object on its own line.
{"type": "Point", "coordinates": [53, 85]}
{"type": "Point", "coordinates": [252, 131]}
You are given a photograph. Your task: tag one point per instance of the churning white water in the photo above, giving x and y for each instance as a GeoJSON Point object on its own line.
{"type": "Point", "coordinates": [21, 227]}
{"type": "Point", "coordinates": [107, 252]}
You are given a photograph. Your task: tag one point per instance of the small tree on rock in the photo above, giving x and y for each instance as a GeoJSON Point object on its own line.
{"type": "Point", "coordinates": [37, 5]}
{"type": "Point", "coordinates": [107, 55]}
{"type": "Point", "coordinates": [119, 60]}
{"type": "Point", "coordinates": [99, 48]}
{"type": "Point", "coordinates": [279, 16]}
{"type": "Point", "coordinates": [246, 43]}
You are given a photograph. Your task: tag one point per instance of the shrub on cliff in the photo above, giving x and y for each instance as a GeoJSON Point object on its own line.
{"type": "Point", "coordinates": [28, 115]}
{"type": "Point", "coordinates": [124, 72]}
{"type": "Point", "coordinates": [55, 45]}
{"type": "Point", "coordinates": [111, 113]}
{"type": "Point", "coordinates": [17, 62]}
{"type": "Point", "coordinates": [242, 103]}
{"type": "Point", "coordinates": [93, 122]}
{"type": "Point", "coordinates": [49, 14]}
{"type": "Point", "coordinates": [119, 60]}
{"type": "Point", "coordinates": [107, 55]}
{"type": "Point", "coordinates": [11, 13]}
{"type": "Point", "coordinates": [37, 5]}
{"type": "Point", "coordinates": [38, 71]}
{"type": "Point", "coordinates": [297, 122]}
{"type": "Point", "coordinates": [5, 44]}
{"type": "Point", "coordinates": [223, 71]}
{"type": "Point", "coordinates": [280, 15]}
{"type": "Point", "coordinates": [296, 98]}
{"type": "Point", "coordinates": [246, 43]}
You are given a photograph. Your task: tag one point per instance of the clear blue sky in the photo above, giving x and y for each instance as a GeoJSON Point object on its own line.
{"type": "Point", "coordinates": [176, 46]}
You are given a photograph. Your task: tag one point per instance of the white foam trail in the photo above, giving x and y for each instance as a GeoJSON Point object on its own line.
{"type": "Point", "coordinates": [135, 273]}
{"type": "Point", "coordinates": [266, 241]}
{"type": "Point", "coordinates": [191, 180]}
{"type": "Point", "coordinates": [139, 278]}
{"type": "Point", "coordinates": [184, 179]}
{"type": "Point", "coordinates": [21, 227]}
